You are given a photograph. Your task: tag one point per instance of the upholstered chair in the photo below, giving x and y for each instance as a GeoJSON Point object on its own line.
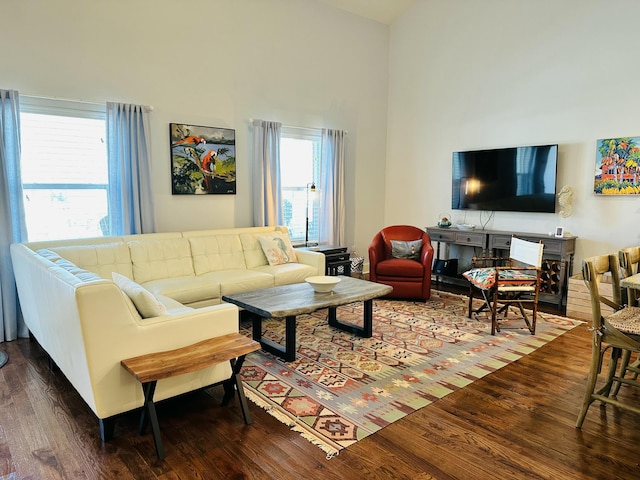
{"type": "Point", "coordinates": [401, 256]}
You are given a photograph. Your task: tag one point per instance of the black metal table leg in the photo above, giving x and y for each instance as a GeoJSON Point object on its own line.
{"type": "Point", "coordinates": [235, 384]}
{"type": "Point", "coordinates": [286, 352]}
{"type": "Point", "coordinates": [149, 408]}
{"type": "Point", "coordinates": [366, 331]}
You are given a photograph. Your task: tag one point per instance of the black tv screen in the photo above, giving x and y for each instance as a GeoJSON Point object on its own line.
{"type": "Point", "coordinates": [516, 179]}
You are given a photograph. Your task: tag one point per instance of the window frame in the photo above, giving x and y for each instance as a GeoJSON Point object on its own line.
{"type": "Point", "coordinates": [313, 135]}
{"type": "Point", "coordinates": [64, 108]}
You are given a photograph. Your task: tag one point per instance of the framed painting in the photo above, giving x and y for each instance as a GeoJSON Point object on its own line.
{"type": "Point", "coordinates": [617, 166]}
{"type": "Point", "coordinates": [203, 159]}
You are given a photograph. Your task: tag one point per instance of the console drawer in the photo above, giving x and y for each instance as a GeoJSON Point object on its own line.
{"type": "Point", "coordinates": [444, 236]}
{"type": "Point", "coordinates": [500, 242]}
{"type": "Point", "coordinates": [471, 239]}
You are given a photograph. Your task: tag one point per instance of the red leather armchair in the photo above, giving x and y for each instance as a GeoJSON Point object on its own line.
{"type": "Point", "coordinates": [410, 279]}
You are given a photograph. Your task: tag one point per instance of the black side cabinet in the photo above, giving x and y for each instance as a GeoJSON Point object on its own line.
{"type": "Point", "coordinates": [337, 260]}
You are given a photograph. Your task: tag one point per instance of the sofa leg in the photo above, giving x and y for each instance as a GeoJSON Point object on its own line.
{"type": "Point", "coordinates": [107, 427]}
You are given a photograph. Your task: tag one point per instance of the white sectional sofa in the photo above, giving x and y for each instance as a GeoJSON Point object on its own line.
{"type": "Point", "coordinates": [87, 324]}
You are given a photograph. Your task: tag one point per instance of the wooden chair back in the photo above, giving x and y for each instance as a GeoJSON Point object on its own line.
{"type": "Point", "coordinates": [629, 261]}
{"type": "Point", "coordinates": [594, 270]}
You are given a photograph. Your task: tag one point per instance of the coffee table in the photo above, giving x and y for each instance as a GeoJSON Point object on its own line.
{"type": "Point", "coordinates": [288, 301]}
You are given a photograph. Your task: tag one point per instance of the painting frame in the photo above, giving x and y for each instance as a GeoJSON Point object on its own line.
{"type": "Point", "coordinates": [617, 167]}
{"type": "Point", "coordinates": [203, 160]}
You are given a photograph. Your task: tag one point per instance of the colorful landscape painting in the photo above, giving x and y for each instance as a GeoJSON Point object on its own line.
{"type": "Point", "coordinates": [617, 164]}
{"type": "Point", "coordinates": [203, 159]}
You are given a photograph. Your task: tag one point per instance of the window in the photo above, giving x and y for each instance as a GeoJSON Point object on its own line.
{"type": "Point", "coordinates": [299, 169]}
{"type": "Point", "coordinates": [64, 168]}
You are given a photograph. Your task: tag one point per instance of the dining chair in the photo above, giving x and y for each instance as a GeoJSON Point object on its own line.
{"type": "Point", "coordinates": [617, 333]}
{"type": "Point", "coordinates": [630, 265]}
{"type": "Point", "coordinates": [502, 282]}
{"type": "Point", "coordinates": [629, 259]}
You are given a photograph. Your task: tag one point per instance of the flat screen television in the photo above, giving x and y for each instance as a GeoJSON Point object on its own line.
{"type": "Point", "coordinates": [516, 179]}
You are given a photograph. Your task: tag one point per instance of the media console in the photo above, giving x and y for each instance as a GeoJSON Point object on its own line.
{"type": "Point", "coordinates": [557, 256]}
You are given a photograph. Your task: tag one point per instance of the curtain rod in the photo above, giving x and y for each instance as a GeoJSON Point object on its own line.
{"type": "Point", "coordinates": [148, 107]}
{"type": "Point", "coordinates": [299, 128]}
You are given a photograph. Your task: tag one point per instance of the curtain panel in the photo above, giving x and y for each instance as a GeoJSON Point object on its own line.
{"type": "Point", "coordinates": [332, 221]}
{"type": "Point", "coordinates": [13, 228]}
{"type": "Point", "coordinates": [131, 207]}
{"type": "Point", "coordinates": [267, 197]}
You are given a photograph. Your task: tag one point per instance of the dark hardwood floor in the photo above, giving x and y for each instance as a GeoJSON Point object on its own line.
{"type": "Point", "coordinates": [515, 423]}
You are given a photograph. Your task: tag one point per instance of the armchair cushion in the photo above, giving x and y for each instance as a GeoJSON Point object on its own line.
{"type": "Point", "coordinates": [410, 249]}
{"type": "Point", "coordinates": [400, 267]}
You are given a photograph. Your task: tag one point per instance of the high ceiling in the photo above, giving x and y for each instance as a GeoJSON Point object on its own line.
{"type": "Point", "coordinates": [383, 11]}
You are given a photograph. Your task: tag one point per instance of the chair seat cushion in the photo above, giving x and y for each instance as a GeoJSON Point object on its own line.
{"type": "Point", "coordinates": [400, 267]}
{"type": "Point", "coordinates": [626, 320]}
{"type": "Point", "coordinates": [485, 278]}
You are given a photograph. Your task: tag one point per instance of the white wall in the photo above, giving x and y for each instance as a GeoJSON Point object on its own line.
{"type": "Point", "coordinates": [466, 74]}
{"type": "Point", "coordinates": [215, 63]}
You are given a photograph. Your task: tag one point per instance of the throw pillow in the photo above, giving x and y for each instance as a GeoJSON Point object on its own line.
{"type": "Point", "coordinates": [277, 248]}
{"type": "Point", "coordinates": [410, 250]}
{"type": "Point", "coordinates": [147, 305]}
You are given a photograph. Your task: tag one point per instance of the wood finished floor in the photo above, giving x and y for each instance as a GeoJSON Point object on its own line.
{"type": "Point", "coordinates": [515, 423]}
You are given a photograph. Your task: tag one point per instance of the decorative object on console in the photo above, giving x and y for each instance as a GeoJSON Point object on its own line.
{"type": "Point", "coordinates": [444, 221]}
{"type": "Point", "coordinates": [616, 171]}
{"type": "Point", "coordinates": [565, 199]}
{"type": "Point", "coordinates": [466, 226]}
{"type": "Point", "coordinates": [203, 159]}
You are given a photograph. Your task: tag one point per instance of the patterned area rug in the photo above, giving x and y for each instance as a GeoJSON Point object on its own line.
{"type": "Point", "coordinates": [342, 388]}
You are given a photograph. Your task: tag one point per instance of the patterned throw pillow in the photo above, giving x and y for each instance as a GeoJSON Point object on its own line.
{"type": "Point", "coordinates": [147, 305]}
{"type": "Point", "coordinates": [277, 248]}
{"type": "Point", "coordinates": [410, 250]}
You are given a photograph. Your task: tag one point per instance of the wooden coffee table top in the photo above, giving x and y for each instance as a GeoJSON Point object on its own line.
{"type": "Point", "coordinates": [299, 298]}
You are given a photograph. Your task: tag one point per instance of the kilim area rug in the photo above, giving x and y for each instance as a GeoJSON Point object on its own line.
{"type": "Point", "coordinates": [342, 388]}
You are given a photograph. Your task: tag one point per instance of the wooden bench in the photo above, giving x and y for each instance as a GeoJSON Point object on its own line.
{"type": "Point", "coordinates": [150, 368]}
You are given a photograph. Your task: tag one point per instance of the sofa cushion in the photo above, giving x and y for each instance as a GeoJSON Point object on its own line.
{"type": "Point", "coordinates": [277, 248]}
{"type": "Point", "coordinates": [237, 281]}
{"type": "Point", "coordinates": [160, 258]}
{"type": "Point", "coordinates": [215, 253]}
{"type": "Point", "coordinates": [253, 254]}
{"type": "Point", "coordinates": [99, 258]}
{"type": "Point", "coordinates": [188, 290]}
{"type": "Point", "coordinates": [288, 273]}
{"type": "Point", "coordinates": [147, 305]}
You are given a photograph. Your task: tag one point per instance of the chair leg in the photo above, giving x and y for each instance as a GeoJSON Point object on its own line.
{"type": "Point", "coordinates": [494, 314]}
{"type": "Point", "coordinates": [594, 368]}
{"type": "Point", "coordinates": [470, 300]}
{"type": "Point", "coordinates": [626, 355]}
{"type": "Point", "coordinates": [616, 353]}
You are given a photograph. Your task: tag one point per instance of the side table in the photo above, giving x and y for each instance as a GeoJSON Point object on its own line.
{"type": "Point", "coordinates": [337, 260]}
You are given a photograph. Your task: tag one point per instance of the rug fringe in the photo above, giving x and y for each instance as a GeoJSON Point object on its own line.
{"type": "Point", "coordinates": [330, 451]}
{"type": "Point", "coordinates": [291, 423]}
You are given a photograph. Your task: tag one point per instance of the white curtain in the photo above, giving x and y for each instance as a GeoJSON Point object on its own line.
{"type": "Point", "coordinates": [332, 217]}
{"type": "Point", "coordinates": [12, 224]}
{"type": "Point", "coordinates": [131, 207]}
{"type": "Point", "coordinates": [267, 198]}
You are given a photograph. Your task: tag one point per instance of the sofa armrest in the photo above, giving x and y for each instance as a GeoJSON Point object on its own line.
{"type": "Point", "coordinates": [314, 259]}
